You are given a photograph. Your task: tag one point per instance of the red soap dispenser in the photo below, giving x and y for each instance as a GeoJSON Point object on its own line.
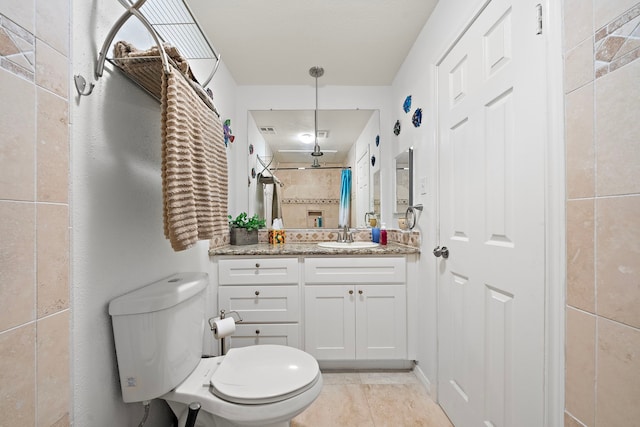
{"type": "Point", "coordinates": [383, 234]}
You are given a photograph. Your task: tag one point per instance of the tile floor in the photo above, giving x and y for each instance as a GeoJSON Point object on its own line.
{"type": "Point", "coordinates": [372, 399]}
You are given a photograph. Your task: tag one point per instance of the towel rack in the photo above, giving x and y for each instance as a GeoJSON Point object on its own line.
{"type": "Point", "coordinates": [166, 21]}
{"type": "Point", "coordinates": [265, 168]}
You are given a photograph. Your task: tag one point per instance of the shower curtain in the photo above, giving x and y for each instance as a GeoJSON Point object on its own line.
{"type": "Point", "coordinates": [345, 198]}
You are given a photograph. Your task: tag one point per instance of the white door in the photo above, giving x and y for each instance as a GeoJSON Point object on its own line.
{"type": "Point", "coordinates": [381, 322]}
{"type": "Point", "coordinates": [363, 196]}
{"type": "Point", "coordinates": [329, 326]}
{"type": "Point", "coordinates": [491, 121]}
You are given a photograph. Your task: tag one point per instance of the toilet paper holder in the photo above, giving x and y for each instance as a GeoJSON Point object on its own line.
{"type": "Point", "coordinates": [223, 314]}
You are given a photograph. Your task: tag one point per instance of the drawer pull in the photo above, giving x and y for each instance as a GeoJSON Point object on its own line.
{"type": "Point", "coordinates": [257, 293]}
{"type": "Point", "coordinates": [351, 292]}
{"type": "Point", "coordinates": [360, 292]}
{"type": "Point", "coordinates": [257, 331]}
{"type": "Point", "coordinates": [257, 265]}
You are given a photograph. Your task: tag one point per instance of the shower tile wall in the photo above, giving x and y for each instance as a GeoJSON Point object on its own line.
{"type": "Point", "coordinates": [308, 191]}
{"type": "Point", "coordinates": [602, 106]}
{"type": "Point", "coordinates": [34, 207]}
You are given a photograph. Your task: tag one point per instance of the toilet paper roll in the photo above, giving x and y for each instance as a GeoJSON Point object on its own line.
{"type": "Point", "coordinates": [224, 327]}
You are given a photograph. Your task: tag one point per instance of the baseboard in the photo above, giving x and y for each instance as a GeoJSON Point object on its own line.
{"type": "Point", "coordinates": [359, 365]}
{"type": "Point", "coordinates": [431, 389]}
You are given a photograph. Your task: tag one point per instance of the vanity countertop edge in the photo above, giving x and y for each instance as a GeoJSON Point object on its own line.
{"type": "Point", "coordinates": [310, 248]}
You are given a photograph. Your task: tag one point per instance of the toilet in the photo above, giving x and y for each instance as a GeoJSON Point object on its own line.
{"type": "Point", "coordinates": [158, 332]}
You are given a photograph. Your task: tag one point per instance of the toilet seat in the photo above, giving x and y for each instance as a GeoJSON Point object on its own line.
{"type": "Point", "coordinates": [263, 374]}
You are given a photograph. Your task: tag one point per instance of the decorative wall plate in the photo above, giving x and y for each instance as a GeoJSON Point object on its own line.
{"type": "Point", "coordinates": [253, 172]}
{"type": "Point", "coordinates": [250, 148]}
{"type": "Point", "coordinates": [228, 137]}
{"type": "Point", "coordinates": [417, 117]}
{"type": "Point", "coordinates": [407, 104]}
{"type": "Point", "coordinates": [396, 128]}
{"type": "Point", "coordinates": [377, 140]}
{"type": "Point", "coordinates": [373, 160]}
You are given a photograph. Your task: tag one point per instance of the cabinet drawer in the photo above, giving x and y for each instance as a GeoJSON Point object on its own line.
{"type": "Point", "coordinates": [282, 334]}
{"type": "Point", "coordinates": [355, 270]}
{"type": "Point", "coordinates": [261, 303]}
{"type": "Point", "coordinates": [258, 271]}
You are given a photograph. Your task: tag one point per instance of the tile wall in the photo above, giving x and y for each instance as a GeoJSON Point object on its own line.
{"type": "Point", "coordinates": [34, 208]}
{"type": "Point", "coordinates": [602, 111]}
{"type": "Point", "coordinates": [308, 193]}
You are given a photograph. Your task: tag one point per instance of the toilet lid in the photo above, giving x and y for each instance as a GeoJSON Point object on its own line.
{"type": "Point", "coordinates": [264, 374]}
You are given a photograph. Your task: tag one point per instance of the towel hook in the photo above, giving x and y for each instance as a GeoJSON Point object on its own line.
{"type": "Point", "coordinates": [81, 85]}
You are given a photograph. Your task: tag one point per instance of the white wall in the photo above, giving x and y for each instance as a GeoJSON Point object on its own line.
{"type": "Point", "coordinates": [118, 242]}
{"type": "Point", "coordinates": [416, 77]}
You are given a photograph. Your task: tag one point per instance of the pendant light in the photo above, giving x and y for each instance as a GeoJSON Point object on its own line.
{"type": "Point", "coordinates": [316, 72]}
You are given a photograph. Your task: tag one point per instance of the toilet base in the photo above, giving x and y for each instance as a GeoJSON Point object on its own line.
{"type": "Point", "coordinates": [205, 419]}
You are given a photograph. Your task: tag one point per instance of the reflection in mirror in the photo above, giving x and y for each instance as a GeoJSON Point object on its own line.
{"type": "Point", "coordinates": [376, 194]}
{"type": "Point", "coordinates": [287, 186]}
{"type": "Point", "coordinates": [404, 181]}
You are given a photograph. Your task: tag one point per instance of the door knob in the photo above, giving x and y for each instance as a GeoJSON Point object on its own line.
{"type": "Point", "coordinates": [441, 252]}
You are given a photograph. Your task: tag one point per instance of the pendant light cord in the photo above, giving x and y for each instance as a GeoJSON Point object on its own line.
{"type": "Point", "coordinates": [316, 72]}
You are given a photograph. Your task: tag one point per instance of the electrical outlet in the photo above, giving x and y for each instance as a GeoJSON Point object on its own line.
{"type": "Point", "coordinates": [422, 182]}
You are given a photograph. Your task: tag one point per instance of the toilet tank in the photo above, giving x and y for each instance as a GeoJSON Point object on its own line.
{"type": "Point", "coordinates": [158, 332]}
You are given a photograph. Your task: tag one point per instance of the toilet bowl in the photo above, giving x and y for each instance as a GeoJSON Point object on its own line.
{"type": "Point", "coordinates": [264, 385]}
{"type": "Point", "coordinates": [158, 332]}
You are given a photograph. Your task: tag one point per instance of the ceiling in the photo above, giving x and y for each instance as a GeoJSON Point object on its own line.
{"type": "Point", "coordinates": [342, 127]}
{"type": "Point", "coordinates": [275, 42]}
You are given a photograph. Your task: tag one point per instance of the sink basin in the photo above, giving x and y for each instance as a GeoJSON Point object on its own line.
{"type": "Point", "coordinates": [345, 245]}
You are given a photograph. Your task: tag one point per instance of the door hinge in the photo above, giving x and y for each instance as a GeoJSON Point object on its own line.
{"type": "Point", "coordinates": [539, 9]}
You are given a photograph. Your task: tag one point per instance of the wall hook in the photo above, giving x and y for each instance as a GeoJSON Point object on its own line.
{"type": "Point", "coordinates": [81, 85]}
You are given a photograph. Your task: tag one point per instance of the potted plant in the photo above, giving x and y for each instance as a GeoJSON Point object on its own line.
{"type": "Point", "coordinates": [244, 230]}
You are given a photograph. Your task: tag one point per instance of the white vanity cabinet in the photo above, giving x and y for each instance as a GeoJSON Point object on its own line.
{"type": "Point", "coordinates": [266, 294]}
{"type": "Point", "coordinates": [355, 308]}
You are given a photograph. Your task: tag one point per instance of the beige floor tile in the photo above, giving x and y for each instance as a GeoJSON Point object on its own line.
{"type": "Point", "coordinates": [333, 378]}
{"type": "Point", "coordinates": [337, 405]}
{"type": "Point", "coordinates": [390, 399]}
{"type": "Point", "coordinates": [388, 378]}
{"type": "Point", "coordinates": [403, 405]}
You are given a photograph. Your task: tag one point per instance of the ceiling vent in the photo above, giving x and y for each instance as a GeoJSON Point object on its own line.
{"type": "Point", "coordinates": [323, 134]}
{"type": "Point", "coordinates": [268, 130]}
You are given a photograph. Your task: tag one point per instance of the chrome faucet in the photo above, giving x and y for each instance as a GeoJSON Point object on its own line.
{"type": "Point", "coordinates": [345, 236]}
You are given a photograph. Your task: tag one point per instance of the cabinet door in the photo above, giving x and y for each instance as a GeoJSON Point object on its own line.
{"type": "Point", "coordinates": [329, 322]}
{"type": "Point", "coordinates": [258, 271]}
{"type": "Point", "coordinates": [381, 322]}
{"type": "Point", "coordinates": [281, 334]}
{"type": "Point", "coordinates": [261, 304]}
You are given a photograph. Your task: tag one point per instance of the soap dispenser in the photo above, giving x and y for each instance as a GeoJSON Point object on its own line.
{"type": "Point", "coordinates": [383, 234]}
{"type": "Point", "coordinates": [375, 235]}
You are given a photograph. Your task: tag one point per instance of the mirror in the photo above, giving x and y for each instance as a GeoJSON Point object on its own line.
{"type": "Point", "coordinates": [376, 194]}
{"type": "Point", "coordinates": [404, 181]}
{"type": "Point", "coordinates": [280, 147]}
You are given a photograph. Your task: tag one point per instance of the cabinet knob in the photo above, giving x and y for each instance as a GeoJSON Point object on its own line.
{"type": "Point", "coordinates": [257, 265]}
{"type": "Point", "coordinates": [257, 331]}
{"type": "Point", "coordinates": [257, 293]}
{"type": "Point", "coordinates": [360, 292]}
{"type": "Point", "coordinates": [351, 292]}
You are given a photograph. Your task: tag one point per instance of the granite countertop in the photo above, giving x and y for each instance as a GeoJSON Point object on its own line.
{"type": "Point", "coordinates": [310, 248]}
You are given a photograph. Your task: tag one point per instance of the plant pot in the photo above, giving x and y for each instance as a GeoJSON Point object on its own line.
{"type": "Point", "coordinates": [242, 236]}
